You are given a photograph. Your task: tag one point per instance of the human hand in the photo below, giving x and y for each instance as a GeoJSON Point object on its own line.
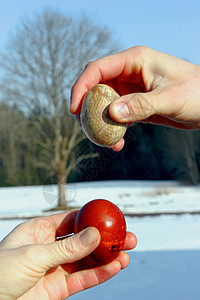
{"type": "Point", "coordinates": [35, 264]}
{"type": "Point", "coordinates": [155, 87]}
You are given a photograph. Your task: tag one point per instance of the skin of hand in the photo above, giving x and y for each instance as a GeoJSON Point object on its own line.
{"type": "Point", "coordinates": [154, 87]}
{"type": "Point", "coordinates": [36, 264]}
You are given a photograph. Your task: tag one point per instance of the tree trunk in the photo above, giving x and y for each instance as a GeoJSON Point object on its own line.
{"type": "Point", "coordinates": [62, 200]}
{"type": "Point", "coordinates": [13, 161]}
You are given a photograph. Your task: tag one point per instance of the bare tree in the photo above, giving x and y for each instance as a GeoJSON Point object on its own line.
{"type": "Point", "coordinates": [40, 62]}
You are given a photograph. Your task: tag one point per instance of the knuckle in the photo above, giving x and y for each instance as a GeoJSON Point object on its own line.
{"type": "Point", "coordinates": [140, 107]}
{"type": "Point", "coordinates": [141, 55]}
{"type": "Point", "coordinates": [141, 51]}
{"type": "Point", "coordinates": [44, 228]}
{"type": "Point", "coordinates": [90, 64]}
{"type": "Point", "coordinates": [67, 248]}
{"type": "Point", "coordinates": [81, 284]}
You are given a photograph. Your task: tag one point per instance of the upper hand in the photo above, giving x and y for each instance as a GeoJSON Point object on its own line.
{"type": "Point", "coordinates": [154, 87]}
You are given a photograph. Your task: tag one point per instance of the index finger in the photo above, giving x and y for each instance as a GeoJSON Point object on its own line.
{"type": "Point", "coordinates": [41, 230]}
{"type": "Point", "coordinates": [101, 70]}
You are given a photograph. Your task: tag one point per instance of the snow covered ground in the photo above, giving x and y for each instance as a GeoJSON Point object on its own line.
{"type": "Point", "coordinates": [131, 196]}
{"type": "Point", "coordinates": [166, 262]}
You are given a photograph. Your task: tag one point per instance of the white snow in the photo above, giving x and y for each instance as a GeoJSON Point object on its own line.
{"type": "Point", "coordinates": [131, 196]}
{"type": "Point", "coordinates": [166, 263]}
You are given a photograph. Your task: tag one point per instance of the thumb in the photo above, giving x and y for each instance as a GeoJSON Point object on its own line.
{"type": "Point", "coordinates": [65, 251]}
{"type": "Point", "coordinates": [33, 261]}
{"type": "Point", "coordinates": [133, 107]}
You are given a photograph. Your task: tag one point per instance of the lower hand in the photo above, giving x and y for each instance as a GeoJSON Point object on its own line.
{"type": "Point", "coordinates": [35, 264]}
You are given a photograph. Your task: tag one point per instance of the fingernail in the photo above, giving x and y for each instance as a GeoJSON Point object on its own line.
{"type": "Point", "coordinates": [88, 237]}
{"type": "Point", "coordinates": [121, 110]}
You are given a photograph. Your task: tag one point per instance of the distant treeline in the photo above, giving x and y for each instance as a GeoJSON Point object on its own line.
{"type": "Point", "coordinates": [151, 152]}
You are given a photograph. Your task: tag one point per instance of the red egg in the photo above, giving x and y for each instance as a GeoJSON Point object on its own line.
{"type": "Point", "coordinates": [110, 221]}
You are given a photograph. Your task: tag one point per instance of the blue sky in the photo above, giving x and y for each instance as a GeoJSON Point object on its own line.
{"type": "Point", "coordinates": [172, 27]}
